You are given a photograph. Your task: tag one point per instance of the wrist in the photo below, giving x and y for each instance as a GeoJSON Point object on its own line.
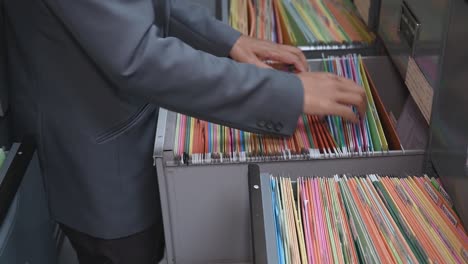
{"type": "Point", "coordinates": [235, 45]}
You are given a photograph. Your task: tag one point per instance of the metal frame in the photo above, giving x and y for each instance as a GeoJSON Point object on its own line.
{"type": "Point", "coordinates": [448, 148]}
{"type": "Point", "coordinates": [24, 198]}
{"type": "Point", "coordinates": [260, 206]}
{"type": "Point", "coordinates": [12, 173]}
{"type": "Point", "coordinates": [162, 183]}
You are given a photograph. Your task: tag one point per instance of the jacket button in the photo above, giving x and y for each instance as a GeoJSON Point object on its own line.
{"type": "Point", "coordinates": [279, 126]}
{"type": "Point", "coordinates": [261, 123]}
{"type": "Point", "coordinates": [269, 125]}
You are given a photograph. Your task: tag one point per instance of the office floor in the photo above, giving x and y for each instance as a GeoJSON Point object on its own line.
{"type": "Point", "coordinates": [67, 254]}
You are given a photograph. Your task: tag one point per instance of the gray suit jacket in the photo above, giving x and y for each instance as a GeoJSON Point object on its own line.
{"type": "Point", "coordinates": [87, 78]}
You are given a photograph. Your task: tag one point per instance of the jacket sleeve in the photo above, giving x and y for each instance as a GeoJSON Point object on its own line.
{"type": "Point", "coordinates": [122, 40]}
{"type": "Point", "coordinates": [196, 27]}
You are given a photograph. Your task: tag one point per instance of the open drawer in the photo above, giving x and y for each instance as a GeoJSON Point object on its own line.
{"type": "Point", "coordinates": [353, 218]}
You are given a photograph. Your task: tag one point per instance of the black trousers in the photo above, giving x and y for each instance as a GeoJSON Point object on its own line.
{"type": "Point", "coordinates": [146, 247]}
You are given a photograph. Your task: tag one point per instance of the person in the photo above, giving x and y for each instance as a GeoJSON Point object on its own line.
{"type": "Point", "coordinates": [87, 78]}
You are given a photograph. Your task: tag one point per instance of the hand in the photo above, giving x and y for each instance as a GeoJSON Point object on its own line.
{"type": "Point", "coordinates": [329, 94]}
{"type": "Point", "coordinates": [255, 51]}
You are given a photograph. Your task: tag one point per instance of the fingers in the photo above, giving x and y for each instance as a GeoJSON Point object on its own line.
{"type": "Point", "coordinates": [251, 58]}
{"type": "Point", "coordinates": [250, 50]}
{"type": "Point", "coordinates": [344, 111]}
{"type": "Point", "coordinates": [299, 54]}
{"type": "Point", "coordinates": [257, 62]}
{"type": "Point", "coordinates": [282, 54]}
{"type": "Point", "coordinates": [327, 94]}
{"type": "Point", "coordinates": [261, 64]}
{"type": "Point", "coordinates": [353, 99]}
{"type": "Point", "coordinates": [289, 58]}
{"type": "Point", "coordinates": [351, 93]}
{"type": "Point", "coordinates": [350, 85]}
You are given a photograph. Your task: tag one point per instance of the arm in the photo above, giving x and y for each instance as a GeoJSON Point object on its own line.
{"type": "Point", "coordinates": [123, 42]}
{"type": "Point", "coordinates": [196, 27]}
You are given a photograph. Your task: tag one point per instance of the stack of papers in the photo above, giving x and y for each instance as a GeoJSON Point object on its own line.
{"type": "Point", "coordinates": [365, 219]}
{"type": "Point", "coordinates": [300, 22]}
{"type": "Point", "coordinates": [200, 142]}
